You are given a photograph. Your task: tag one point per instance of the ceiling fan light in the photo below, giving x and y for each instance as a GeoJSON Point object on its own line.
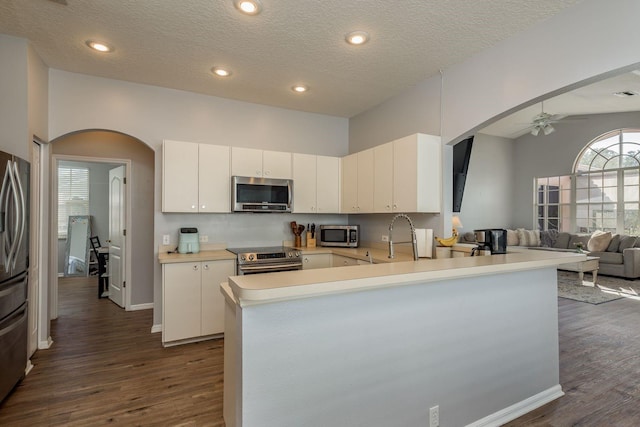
{"type": "Point", "coordinates": [548, 129]}
{"type": "Point", "coordinates": [535, 131]}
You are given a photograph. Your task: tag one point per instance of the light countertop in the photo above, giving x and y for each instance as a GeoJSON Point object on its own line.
{"type": "Point", "coordinates": [212, 255]}
{"type": "Point", "coordinates": [265, 288]}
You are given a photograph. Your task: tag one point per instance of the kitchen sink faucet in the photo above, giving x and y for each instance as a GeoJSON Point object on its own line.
{"type": "Point", "coordinates": [413, 236]}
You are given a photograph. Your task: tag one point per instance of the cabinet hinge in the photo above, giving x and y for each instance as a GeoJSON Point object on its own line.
{"type": "Point", "coordinates": [124, 232]}
{"type": "Point", "coordinates": [124, 180]}
{"type": "Point", "coordinates": [124, 284]}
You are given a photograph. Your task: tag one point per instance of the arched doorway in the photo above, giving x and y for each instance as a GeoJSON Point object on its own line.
{"type": "Point", "coordinates": [111, 148]}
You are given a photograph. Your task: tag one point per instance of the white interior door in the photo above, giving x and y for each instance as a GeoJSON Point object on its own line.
{"type": "Point", "coordinates": [117, 235]}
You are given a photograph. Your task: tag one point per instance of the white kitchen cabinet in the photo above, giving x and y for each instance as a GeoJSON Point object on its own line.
{"type": "Point", "coordinates": [342, 261]}
{"type": "Point", "coordinates": [316, 261]}
{"type": "Point", "coordinates": [195, 177]}
{"type": "Point", "coordinates": [357, 184]}
{"type": "Point", "coordinates": [350, 183]}
{"type": "Point", "coordinates": [214, 273]}
{"type": "Point", "coordinates": [365, 181]}
{"type": "Point", "coordinates": [304, 183]}
{"type": "Point", "coordinates": [260, 163]}
{"type": "Point", "coordinates": [328, 184]}
{"type": "Point", "coordinates": [383, 178]}
{"type": "Point", "coordinates": [181, 301]}
{"type": "Point", "coordinates": [417, 174]}
{"type": "Point", "coordinates": [192, 305]}
{"type": "Point", "coordinates": [316, 184]}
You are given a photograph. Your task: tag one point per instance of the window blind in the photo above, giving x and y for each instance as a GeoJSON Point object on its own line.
{"type": "Point", "coordinates": [73, 195]}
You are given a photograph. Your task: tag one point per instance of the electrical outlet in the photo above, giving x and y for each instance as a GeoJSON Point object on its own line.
{"type": "Point", "coordinates": [166, 239]}
{"type": "Point", "coordinates": [204, 239]}
{"type": "Point", "coordinates": [385, 238]}
{"type": "Point", "coordinates": [434, 416]}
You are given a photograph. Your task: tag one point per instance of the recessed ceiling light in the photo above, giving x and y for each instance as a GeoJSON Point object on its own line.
{"type": "Point", "coordinates": [300, 88]}
{"type": "Point", "coordinates": [248, 7]}
{"type": "Point", "coordinates": [99, 46]}
{"type": "Point", "coordinates": [221, 72]}
{"type": "Point", "coordinates": [357, 38]}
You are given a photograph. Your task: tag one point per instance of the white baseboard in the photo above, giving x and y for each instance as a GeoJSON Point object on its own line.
{"type": "Point", "coordinates": [519, 409]}
{"type": "Point", "coordinates": [44, 345]}
{"type": "Point", "coordinates": [28, 368]}
{"type": "Point", "coordinates": [156, 328]}
{"type": "Point", "coordinates": [146, 306]}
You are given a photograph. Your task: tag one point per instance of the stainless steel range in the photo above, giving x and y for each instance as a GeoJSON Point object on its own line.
{"type": "Point", "coordinates": [267, 259]}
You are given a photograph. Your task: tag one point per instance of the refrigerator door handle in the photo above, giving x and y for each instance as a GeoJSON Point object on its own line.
{"type": "Point", "coordinates": [21, 210]}
{"type": "Point", "coordinates": [4, 218]}
{"type": "Point", "coordinates": [16, 222]}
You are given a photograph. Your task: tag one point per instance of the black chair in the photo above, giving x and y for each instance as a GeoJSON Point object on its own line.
{"type": "Point", "coordinates": [102, 256]}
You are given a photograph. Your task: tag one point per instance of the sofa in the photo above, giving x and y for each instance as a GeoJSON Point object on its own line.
{"type": "Point", "coordinates": [619, 254]}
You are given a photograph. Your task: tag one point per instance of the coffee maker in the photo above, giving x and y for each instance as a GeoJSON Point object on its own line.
{"type": "Point", "coordinates": [491, 240]}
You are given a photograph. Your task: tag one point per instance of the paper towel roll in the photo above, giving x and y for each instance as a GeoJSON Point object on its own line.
{"type": "Point", "coordinates": [424, 237]}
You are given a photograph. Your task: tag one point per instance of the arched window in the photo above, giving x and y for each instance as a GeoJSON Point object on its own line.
{"type": "Point", "coordinates": [606, 175]}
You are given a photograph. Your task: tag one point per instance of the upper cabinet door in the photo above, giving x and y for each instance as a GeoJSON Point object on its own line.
{"type": "Point", "coordinates": [179, 176]}
{"type": "Point", "coordinates": [383, 178]}
{"type": "Point", "coordinates": [328, 184]}
{"type": "Point", "coordinates": [350, 183]}
{"type": "Point", "coordinates": [214, 179]}
{"type": "Point", "coordinates": [304, 183]}
{"type": "Point", "coordinates": [365, 181]}
{"type": "Point", "coordinates": [276, 164]}
{"type": "Point", "coordinates": [417, 174]}
{"type": "Point", "coordinates": [246, 162]}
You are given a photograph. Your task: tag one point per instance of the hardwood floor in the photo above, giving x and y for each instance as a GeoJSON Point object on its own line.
{"type": "Point", "coordinates": [105, 367]}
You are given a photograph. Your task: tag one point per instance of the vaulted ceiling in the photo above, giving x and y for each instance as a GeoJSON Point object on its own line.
{"type": "Point", "coordinates": [175, 44]}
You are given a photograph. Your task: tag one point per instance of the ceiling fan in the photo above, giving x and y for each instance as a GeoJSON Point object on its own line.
{"type": "Point", "coordinates": [543, 122]}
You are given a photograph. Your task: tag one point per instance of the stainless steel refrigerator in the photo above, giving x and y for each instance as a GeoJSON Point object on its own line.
{"type": "Point", "coordinates": [14, 265]}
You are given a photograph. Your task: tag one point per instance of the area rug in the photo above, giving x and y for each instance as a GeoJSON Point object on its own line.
{"type": "Point", "coordinates": [607, 289]}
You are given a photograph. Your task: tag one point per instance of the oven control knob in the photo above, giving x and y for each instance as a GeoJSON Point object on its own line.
{"type": "Point", "coordinates": [242, 257]}
{"type": "Point", "coordinates": [297, 254]}
{"type": "Point", "coordinates": [290, 254]}
{"type": "Point", "coordinates": [251, 257]}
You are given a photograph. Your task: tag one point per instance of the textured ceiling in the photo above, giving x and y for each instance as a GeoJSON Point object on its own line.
{"type": "Point", "coordinates": [174, 43]}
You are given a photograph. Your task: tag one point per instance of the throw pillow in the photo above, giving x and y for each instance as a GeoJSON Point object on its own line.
{"type": "Point", "coordinates": [599, 241]}
{"type": "Point", "coordinates": [626, 242]}
{"type": "Point", "coordinates": [615, 243]}
{"type": "Point", "coordinates": [562, 241]}
{"type": "Point", "coordinates": [528, 238]}
{"type": "Point", "coordinates": [548, 238]}
{"type": "Point", "coordinates": [512, 238]}
{"type": "Point", "coordinates": [578, 238]}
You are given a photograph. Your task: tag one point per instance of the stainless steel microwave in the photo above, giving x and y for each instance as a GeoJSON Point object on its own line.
{"type": "Point", "coordinates": [249, 194]}
{"type": "Point", "coordinates": [347, 236]}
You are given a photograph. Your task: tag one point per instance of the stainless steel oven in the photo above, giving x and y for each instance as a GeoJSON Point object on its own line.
{"type": "Point", "coordinates": [267, 259]}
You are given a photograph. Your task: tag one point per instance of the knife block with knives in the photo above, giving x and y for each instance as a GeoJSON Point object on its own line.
{"type": "Point", "coordinates": [311, 236]}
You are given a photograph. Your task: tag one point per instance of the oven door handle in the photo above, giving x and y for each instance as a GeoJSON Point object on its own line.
{"type": "Point", "coordinates": [292, 266]}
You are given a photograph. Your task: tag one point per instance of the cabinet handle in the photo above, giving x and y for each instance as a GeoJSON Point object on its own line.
{"type": "Point", "coordinates": [258, 173]}
{"type": "Point", "coordinates": [193, 206]}
{"type": "Point", "coordinates": [395, 207]}
{"type": "Point", "coordinates": [388, 207]}
{"type": "Point", "coordinates": [195, 268]}
{"type": "Point", "coordinates": [206, 266]}
{"type": "Point", "coordinates": [306, 260]}
{"type": "Point", "coordinates": [203, 206]}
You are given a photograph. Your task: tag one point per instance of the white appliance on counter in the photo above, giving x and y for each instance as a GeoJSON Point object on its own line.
{"type": "Point", "coordinates": [189, 242]}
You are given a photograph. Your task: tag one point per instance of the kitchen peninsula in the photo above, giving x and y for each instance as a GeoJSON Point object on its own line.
{"type": "Point", "coordinates": [381, 344]}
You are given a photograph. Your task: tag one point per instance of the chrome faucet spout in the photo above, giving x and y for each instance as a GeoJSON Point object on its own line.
{"type": "Point", "coordinates": [413, 236]}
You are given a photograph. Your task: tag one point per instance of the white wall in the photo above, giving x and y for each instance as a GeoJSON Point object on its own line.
{"type": "Point", "coordinates": [555, 154]}
{"type": "Point", "coordinates": [489, 188]}
{"type": "Point", "coordinates": [152, 114]}
{"type": "Point", "coordinates": [14, 136]}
